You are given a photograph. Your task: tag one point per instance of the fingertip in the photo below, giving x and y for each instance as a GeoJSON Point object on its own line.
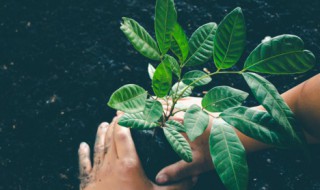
{"type": "Point", "coordinates": [161, 178]}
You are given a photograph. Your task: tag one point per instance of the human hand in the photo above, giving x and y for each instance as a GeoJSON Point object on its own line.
{"type": "Point", "coordinates": [116, 163]}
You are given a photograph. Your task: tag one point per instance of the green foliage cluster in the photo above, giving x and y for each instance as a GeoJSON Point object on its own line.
{"type": "Point", "coordinates": [225, 44]}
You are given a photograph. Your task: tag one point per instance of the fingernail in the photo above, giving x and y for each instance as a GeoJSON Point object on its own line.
{"type": "Point", "coordinates": [162, 178]}
{"type": "Point", "coordinates": [83, 145]}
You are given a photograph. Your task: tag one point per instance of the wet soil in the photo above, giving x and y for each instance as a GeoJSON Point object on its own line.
{"type": "Point", "coordinates": [61, 60]}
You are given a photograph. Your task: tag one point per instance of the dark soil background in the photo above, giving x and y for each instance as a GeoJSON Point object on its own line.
{"type": "Point", "coordinates": [60, 61]}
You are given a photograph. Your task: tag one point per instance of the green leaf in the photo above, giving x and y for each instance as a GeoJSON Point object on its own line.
{"type": "Point", "coordinates": [176, 126]}
{"type": "Point", "coordinates": [175, 67]}
{"type": "Point", "coordinates": [223, 97]}
{"type": "Point", "coordinates": [230, 40]}
{"type": "Point", "coordinates": [129, 98]}
{"type": "Point", "coordinates": [140, 39]}
{"type": "Point", "coordinates": [178, 88]}
{"type": "Point", "coordinates": [136, 121]}
{"type": "Point", "coordinates": [256, 124]}
{"type": "Point", "coordinates": [165, 19]}
{"type": "Point", "coordinates": [195, 121]}
{"type": "Point", "coordinates": [228, 156]}
{"type": "Point", "coordinates": [196, 78]}
{"type": "Point", "coordinates": [152, 111]}
{"type": "Point", "coordinates": [268, 96]}
{"type": "Point", "coordinates": [178, 143]}
{"type": "Point", "coordinates": [201, 45]}
{"type": "Point", "coordinates": [283, 54]}
{"type": "Point", "coordinates": [151, 71]}
{"type": "Point", "coordinates": [162, 78]}
{"type": "Point", "coordinates": [179, 43]}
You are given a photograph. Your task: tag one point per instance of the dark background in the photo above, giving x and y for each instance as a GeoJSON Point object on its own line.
{"type": "Point", "coordinates": [61, 59]}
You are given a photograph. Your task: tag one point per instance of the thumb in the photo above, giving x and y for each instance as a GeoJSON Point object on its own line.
{"type": "Point", "coordinates": [175, 172]}
{"type": "Point", "coordinates": [182, 185]}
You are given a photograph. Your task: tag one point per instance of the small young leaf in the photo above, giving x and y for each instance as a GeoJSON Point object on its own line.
{"type": "Point", "coordinates": [129, 98]}
{"type": "Point", "coordinates": [195, 121]}
{"type": "Point", "coordinates": [230, 40]}
{"type": "Point", "coordinates": [175, 67]}
{"type": "Point", "coordinates": [201, 44]}
{"type": "Point", "coordinates": [256, 124]}
{"type": "Point", "coordinates": [196, 78]}
{"type": "Point", "coordinates": [179, 144]}
{"type": "Point", "coordinates": [228, 156]}
{"type": "Point", "coordinates": [151, 71]}
{"type": "Point", "coordinates": [223, 97]}
{"type": "Point", "coordinates": [179, 43]}
{"type": "Point", "coordinates": [178, 88]}
{"type": "Point", "coordinates": [176, 126]}
{"type": "Point", "coordinates": [136, 121]}
{"type": "Point", "coordinates": [268, 96]}
{"type": "Point", "coordinates": [162, 78]}
{"type": "Point", "coordinates": [283, 54]}
{"type": "Point", "coordinates": [165, 19]}
{"type": "Point", "coordinates": [152, 111]}
{"type": "Point", "coordinates": [140, 39]}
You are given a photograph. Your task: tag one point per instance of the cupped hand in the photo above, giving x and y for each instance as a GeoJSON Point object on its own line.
{"type": "Point", "coordinates": [116, 163]}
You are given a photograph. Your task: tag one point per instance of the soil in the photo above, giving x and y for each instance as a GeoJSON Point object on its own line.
{"type": "Point", "coordinates": [61, 60]}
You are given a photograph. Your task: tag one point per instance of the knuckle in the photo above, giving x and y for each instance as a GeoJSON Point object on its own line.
{"type": "Point", "coordinates": [128, 164]}
{"type": "Point", "coordinates": [99, 148]}
{"type": "Point", "coordinates": [121, 136]}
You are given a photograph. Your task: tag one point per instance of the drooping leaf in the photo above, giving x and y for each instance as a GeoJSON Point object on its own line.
{"type": "Point", "coordinates": [230, 39]}
{"type": "Point", "coordinates": [223, 97]}
{"type": "Point", "coordinates": [201, 45]}
{"type": "Point", "coordinates": [179, 144]}
{"type": "Point", "coordinates": [267, 95]}
{"type": "Point", "coordinates": [162, 79]}
{"type": "Point", "coordinates": [178, 88]}
{"type": "Point", "coordinates": [152, 111]}
{"type": "Point", "coordinates": [140, 39]}
{"type": "Point", "coordinates": [196, 78]}
{"type": "Point", "coordinates": [179, 43]}
{"type": "Point", "coordinates": [165, 19]}
{"type": "Point", "coordinates": [256, 124]}
{"type": "Point", "coordinates": [228, 156]}
{"type": "Point", "coordinates": [129, 98]}
{"type": "Point", "coordinates": [176, 125]}
{"type": "Point", "coordinates": [283, 54]}
{"type": "Point", "coordinates": [151, 71]}
{"type": "Point", "coordinates": [136, 121]}
{"type": "Point", "coordinates": [195, 121]}
{"type": "Point", "coordinates": [175, 67]}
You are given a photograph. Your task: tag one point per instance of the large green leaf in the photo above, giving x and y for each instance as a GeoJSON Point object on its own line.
{"type": "Point", "coordinates": [228, 156]}
{"type": "Point", "coordinates": [129, 98]}
{"type": "Point", "coordinates": [136, 121]}
{"type": "Point", "coordinates": [196, 78]}
{"type": "Point", "coordinates": [283, 54]}
{"type": "Point", "coordinates": [223, 97]}
{"type": "Point", "coordinates": [153, 110]}
{"type": "Point", "coordinates": [140, 39]}
{"type": "Point", "coordinates": [195, 121]}
{"type": "Point", "coordinates": [162, 78]}
{"type": "Point", "coordinates": [256, 124]}
{"type": "Point", "coordinates": [175, 67]}
{"type": "Point", "coordinates": [178, 88]}
{"type": "Point", "coordinates": [230, 40]}
{"type": "Point", "coordinates": [151, 71]}
{"type": "Point", "coordinates": [176, 125]}
{"type": "Point", "coordinates": [201, 45]}
{"type": "Point", "coordinates": [268, 96]}
{"type": "Point", "coordinates": [179, 144]}
{"type": "Point", "coordinates": [165, 19]}
{"type": "Point", "coordinates": [179, 43]}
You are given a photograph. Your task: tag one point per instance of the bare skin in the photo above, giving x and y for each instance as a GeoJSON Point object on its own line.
{"type": "Point", "coordinates": [304, 101]}
{"type": "Point", "coordinates": [116, 163]}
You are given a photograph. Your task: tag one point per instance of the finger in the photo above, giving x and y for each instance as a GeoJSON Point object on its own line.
{"type": "Point", "coordinates": [84, 160]}
{"type": "Point", "coordinates": [109, 142]}
{"type": "Point", "coordinates": [176, 171]}
{"type": "Point", "coordinates": [124, 143]}
{"type": "Point", "coordinates": [120, 113]}
{"type": "Point", "coordinates": [182, 185]}
{"type": "Point", "coordinates": [99, 147]}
